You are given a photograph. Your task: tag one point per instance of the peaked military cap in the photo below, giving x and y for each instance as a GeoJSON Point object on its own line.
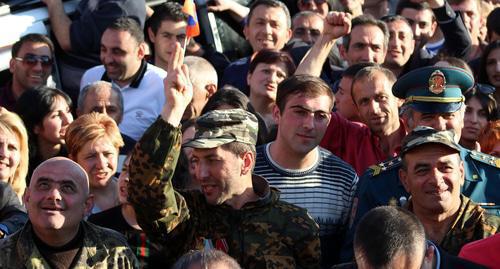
{"type": "Point", "coordinates": [219, 127]}
{"type": "Point", "coordinates": [424, 135]}
{"type": "Point", "coordinates": [434, 89]}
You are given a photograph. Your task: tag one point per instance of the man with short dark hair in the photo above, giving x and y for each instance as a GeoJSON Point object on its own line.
{"type": "Point", "coordinates": [30, 65]}
{"type": "Point", "coordinates": [493, 26]}
{"type": "Point", "coordinates": [268, 26]}
{"type": "Point", "coordinates": [234, 210]}
{"type": "Point", "coordinates": [122, 56]}
{"type": "Point", "coordinates": [392, 237]}
{"type": "Point", "coordinates": [306, 174]}
{"type": "Point", "coordinates": [56, 235]}
{"type": "Point", "coordinates": [432, 172]}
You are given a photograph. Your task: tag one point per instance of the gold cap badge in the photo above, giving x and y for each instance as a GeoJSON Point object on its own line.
{"type": "Point", "coordinates": [437, 82]}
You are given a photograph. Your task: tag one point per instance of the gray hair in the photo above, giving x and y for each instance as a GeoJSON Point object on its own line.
{"type": "Point", "coordinates": [98, 85]}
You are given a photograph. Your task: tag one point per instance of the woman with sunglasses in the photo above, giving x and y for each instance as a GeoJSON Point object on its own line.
{"type": "Point", "coordinates": [489, 69]}
{"type": "Point", "coordinates": [481, 108]}
{"type": "Point", "coordinates": [46, 113]}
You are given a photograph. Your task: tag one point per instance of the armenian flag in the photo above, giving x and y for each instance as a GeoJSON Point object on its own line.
{"type": "Point", "coordinates": [192, 28]}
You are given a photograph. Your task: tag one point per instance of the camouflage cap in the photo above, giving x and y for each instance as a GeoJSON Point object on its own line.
{"type": "Point", "coordinates": [219, 127]}
{"type": "Point", "coordinates": [424, 135]}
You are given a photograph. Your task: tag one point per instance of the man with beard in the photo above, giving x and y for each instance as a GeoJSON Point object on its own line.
{"type": "Point", "coordinates": [123, 64]}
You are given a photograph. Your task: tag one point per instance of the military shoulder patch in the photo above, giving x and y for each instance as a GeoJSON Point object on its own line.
{"type": "Point", "coordinates": [485, 158]}
{"type": "Point", "coordinates": [381, 167]}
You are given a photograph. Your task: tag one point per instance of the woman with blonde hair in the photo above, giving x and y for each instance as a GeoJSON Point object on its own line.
{"type": "Point", "coordinates": [13, 151]}
{"type": "Point", "coordinates": [93, 141]}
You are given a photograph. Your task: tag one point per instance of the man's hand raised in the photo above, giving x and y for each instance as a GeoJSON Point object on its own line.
{"type": "Point", "coordinates": [177, 86]}
{"type": "Point", "coordinates": [336, 25]}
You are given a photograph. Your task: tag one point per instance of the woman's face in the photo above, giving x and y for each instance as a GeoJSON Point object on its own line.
{"type": "Point", "coordinates": [493, 67]}
{"type": "Point", "coordinates": [54, 124]}
{"type": "Point", "coordinates": [10, 155]}
{"type": "Point", "coordinates": [264, 80]}
{"type": "Point", "coordinates": [475, 120]}
{"type": "Point", "coordinates": [99, 159]}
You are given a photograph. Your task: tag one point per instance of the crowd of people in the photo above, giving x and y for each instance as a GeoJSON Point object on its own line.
{"type": "Point", "coordinates": [342, 134]}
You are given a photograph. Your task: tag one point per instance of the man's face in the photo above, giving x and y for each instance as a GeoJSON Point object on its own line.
{"type": "Point", "coordinates": [99, 159]}
{"type": "Point", "coordinates": [267, 28]}
{"type": "Point", "coordinates": [343, 100]}
{"type": "Point", "coordinates": [168, 33]}
{"type": "Point", "coordinates": [318, 6]}
{"type": "Point", "coordinates": [366, 45]}
{"type": "Point", "coordinates": [264, 80]}
{"type": "Point", "coordinates": [471, 17]}
{"type": "Point", "coordinates": [103, 100]}
{"type": "Point", "coordinates": [31, 72]}
{"type": "Point", "coordinates": [307, 28]}
{"type": "Point", "coordinates": [377, 107]}
{"type": "Point", "coordinates": [433, 177]}
{"type": "Point", "coordinates": [439, 121]}
{"type": "Point", "coordinates": [218, 172]}
{"type": "Point", "coordinates": [422, 24]}
{"type": "Point", "coordinates": [401, 43]}
{"type": "Point", "coordinates": [57, 198]}
{"type": "Point", "coordinates": [303, 122]}
{"type": "Point", "coordinates": [121, 55]}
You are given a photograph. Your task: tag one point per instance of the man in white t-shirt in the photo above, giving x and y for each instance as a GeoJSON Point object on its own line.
{"type": "Point", "coordinates": [122, 57]}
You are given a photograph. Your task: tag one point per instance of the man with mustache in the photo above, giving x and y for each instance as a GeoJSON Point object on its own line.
{"type": "Point", "coordinates": [122, 56]}
{"type": "Point", "coordinates": [56, 235]}
{"type": "Point", "coordinates": [235, 211]}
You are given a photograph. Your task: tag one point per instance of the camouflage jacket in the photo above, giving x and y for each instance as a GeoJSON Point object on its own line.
{"type": "Point", "coordinates": [267, 233]}
{"type": "Point", "coordinates": [472, 223]}
{"type": "Point", "coordinates": [102, 248]}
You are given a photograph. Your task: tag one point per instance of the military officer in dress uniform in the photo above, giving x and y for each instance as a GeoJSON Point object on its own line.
{"type": "Point", "coordinates": [433, 97]}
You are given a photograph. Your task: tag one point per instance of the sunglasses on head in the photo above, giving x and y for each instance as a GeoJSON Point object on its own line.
{"type": "Point", "coordinates": [484, 88]}
{"type": "Point", "coordinates": [317, 2]}
{"type": "Point", "coordinates": [32, 60]}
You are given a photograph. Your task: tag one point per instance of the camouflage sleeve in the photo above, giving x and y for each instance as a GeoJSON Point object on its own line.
{"type": "Point", "coordinates": [122, 258]}
{"type": "Point", "coordinates": [308, 251]}
{"type": "Point", "coordinates": [158, 207]}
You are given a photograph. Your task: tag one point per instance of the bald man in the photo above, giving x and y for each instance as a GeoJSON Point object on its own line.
{"type": "Point", "coordinates": [56, 235]}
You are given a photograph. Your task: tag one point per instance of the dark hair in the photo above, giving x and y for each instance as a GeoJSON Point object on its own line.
{"type": "Point", "coordinates": [487, 101]}
{"type": "Point", "coordinates": [270, 56]}
{"type": "Point", "coordinates": [307, 85]}
{"type": "Point", "coordinates": [393, 18]}
{"type": "Point", "coordinates": [270, 3]}
{"type": "Point", "coordinates": [483, 75]}
{"type": "Point", "coordinates": [363, 20]}
{"type": "Point", "coordinates": [33, 105]}
{"type": "Point", "coordinates": [205, 258]}
{"type": "Point", "coordinates": [169, 11]}
{"type": "Point", "coordinates": [410, 4]}
{"type": "Point", "coordinates": [352, 70]}
{"type": "Point", "coordinates": [493, 22]}
{"type": "Point", "coordinates": [32, 38]}
{"type": "Point", "coordinates": [231, 96]}
{"type": "Point", "coordinates": [386, 231]}
{"type": "Point", "coordinates": [129, 25]}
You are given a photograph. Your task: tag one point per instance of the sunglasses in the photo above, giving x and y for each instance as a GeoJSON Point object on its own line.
{"type": "Point", "coordinates": [31, 60]}
{"type": "Point", "coordinates": [317, 2]}
{"type": "Point", "coordinates": [485, 88]}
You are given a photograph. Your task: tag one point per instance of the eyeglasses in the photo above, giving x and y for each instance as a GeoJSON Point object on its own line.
{"type": "Point", "coordinates": [317, 2]}
{"type": "Point", "coordinates": [485, 88]}
{"type": "Point", "coordinates": [31, 60]}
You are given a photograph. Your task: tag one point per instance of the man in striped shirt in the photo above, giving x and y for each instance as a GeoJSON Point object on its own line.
{"type": "Point", "coordinates": [306, 174]}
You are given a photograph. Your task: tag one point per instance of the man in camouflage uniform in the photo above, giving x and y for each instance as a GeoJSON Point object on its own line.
{"type": "Point", "coordinates": [432, 172]}
{"type": "Point", "coordinates": [442, 108]}
{"type": "Point", "coordinates": [56, 236]}
{"type": "Point", "coordinates": [235, 211]}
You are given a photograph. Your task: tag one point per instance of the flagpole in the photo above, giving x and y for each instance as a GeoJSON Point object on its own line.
{"type": "Point", "coordinates": [186, 40]}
